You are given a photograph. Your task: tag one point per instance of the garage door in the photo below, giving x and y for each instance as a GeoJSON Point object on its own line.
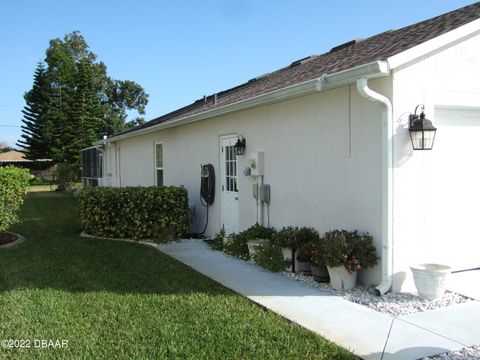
{"type": "Point", "coordinates": [453, 190]}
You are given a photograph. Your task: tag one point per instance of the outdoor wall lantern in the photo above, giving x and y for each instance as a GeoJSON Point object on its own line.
{"type": "Point", "coordinates": [422, 131]}
{"type": "Point", "coordinates": [240, 145]}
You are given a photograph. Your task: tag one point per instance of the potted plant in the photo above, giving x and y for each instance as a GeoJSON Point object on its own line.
{"type": "Point", "coordinates": [257, 235]}
{"type": "Point", "coordinates": [303, 256]}
{"type": "Point", "coordinates": [345, 253]}
{"type": "Point", "coordinates": [317, 262]}
{"type": "Point", "coordinates": [305, 237]}
{"type": "Point", "coordinates": [286, 238]}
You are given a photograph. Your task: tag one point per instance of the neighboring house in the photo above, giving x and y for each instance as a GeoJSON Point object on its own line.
{"type": "Point", "coordinates": [43, 168]}
{"type": "Point", "coordinates": [333, 133]}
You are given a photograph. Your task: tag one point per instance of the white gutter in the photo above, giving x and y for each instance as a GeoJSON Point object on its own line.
{"type": "Point", "coordinates": [387, 184]}
{"type": "Point", "coordinates": [325, 82]}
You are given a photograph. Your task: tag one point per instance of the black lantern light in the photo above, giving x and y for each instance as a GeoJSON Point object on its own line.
{"type": "Point", "coordinates": [422, 131]}
{"type": "Point", "coordinates": [240, 145]}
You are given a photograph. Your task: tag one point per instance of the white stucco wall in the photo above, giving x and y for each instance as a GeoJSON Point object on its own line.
{"type": "Point", "coordinates": [425, 221]}
{"type": "Point", "coordinates": [322, 160]}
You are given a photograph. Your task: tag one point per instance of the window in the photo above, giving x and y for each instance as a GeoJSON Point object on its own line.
{"type": "Point", "coordinates": [159, 163]}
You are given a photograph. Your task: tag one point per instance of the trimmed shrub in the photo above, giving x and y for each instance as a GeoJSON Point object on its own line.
{"type": "Point", "coordinates": [13, 185]}
{"type": "Point", "coordinates": [158, 213]}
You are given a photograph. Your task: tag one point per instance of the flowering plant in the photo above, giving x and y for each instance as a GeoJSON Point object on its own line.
{"type": "Point", "coordinates": [305, 238]}
{"type": "Point", "coordinates": [351, 249]}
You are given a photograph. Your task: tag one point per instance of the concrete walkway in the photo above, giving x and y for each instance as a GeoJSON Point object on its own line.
{"type": "Point", "coordinates": [367, 333]}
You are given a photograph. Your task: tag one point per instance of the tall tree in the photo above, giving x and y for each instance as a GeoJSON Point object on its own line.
{"type": "Point", "coordinates": [82, 101]}
{"type": "Point", "coordinates": [35, 138]}
{"type": "Point", "coordinates": [86, 116]}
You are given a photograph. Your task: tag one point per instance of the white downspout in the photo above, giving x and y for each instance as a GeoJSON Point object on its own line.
{"type": "Point", "coordinates": [387, 184]}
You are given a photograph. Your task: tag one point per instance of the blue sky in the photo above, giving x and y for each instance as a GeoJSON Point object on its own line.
{"type": "Point", "coordinates": [181, 50]}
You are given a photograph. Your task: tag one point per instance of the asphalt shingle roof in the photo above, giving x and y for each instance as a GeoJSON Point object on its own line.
{"type": "Point", "coordinates": [343, 57]}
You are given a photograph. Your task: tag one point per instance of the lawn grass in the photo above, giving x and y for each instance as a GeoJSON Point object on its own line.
{"type": "Point", "coordinates": [115, 300]}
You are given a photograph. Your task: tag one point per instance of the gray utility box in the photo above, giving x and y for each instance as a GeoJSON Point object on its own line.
{"type": "Point", "coordinates": [265, 193]}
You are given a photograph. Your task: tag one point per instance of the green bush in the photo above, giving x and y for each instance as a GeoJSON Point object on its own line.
{"type": "Point", "coordinates": [237, 246]}
{"type": "Point", "coordinates": [66, 175]}
{"type": "Point", "coordinates": [13, 185]}
{"type": "Point", "coordinates": [237, 243]}
{"type": "Point", "coordinates": [258, 231]}
{"type": "Point", "coordinates": [217, 242]}
{"type": "Point", "coordinates": [270, 257]}
{"type": "Point", "coordinates": [158, 213]}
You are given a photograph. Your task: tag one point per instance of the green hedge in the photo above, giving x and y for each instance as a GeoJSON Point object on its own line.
{"type": "Point", "coordinates": [159, 213]}
{"type": "Point", "coordinates": [13, 186]}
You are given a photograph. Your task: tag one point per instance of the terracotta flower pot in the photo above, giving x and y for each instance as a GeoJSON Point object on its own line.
{"type": "Point", "coordinates": [341, 279]}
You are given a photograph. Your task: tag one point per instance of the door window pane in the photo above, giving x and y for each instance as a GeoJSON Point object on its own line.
{"type": "Point", "coordinates": [159, 177]}
{"type": "Point", "coordinates": [159, 163]}
{"type": "Point", "coordinates": [230, 169]}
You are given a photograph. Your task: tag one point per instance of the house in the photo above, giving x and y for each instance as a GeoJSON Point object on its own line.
{"type": "Point", "coordinates": [329, 137]}
{"type": "Point", "coordinates": [44, 168]}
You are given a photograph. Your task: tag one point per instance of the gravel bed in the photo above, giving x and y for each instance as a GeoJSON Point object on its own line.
{"type": "Point", "coordinates": [390, 303]}
{"type": "Point", "coordinates": [468, 353]}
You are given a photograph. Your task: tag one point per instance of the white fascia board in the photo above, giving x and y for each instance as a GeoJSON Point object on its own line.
{"type": "Point", "coordinates": [95, 146]}
{"type": "Point", "coordinates": [407, 56]}
{"type": "Point", "coordinates": [325, 82]}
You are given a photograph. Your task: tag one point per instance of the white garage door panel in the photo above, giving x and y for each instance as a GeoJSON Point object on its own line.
{"type": "Point", "coordinates": [453, 189]}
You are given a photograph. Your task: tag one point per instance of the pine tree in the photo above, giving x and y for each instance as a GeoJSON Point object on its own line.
{"type": "Point", "coordinates": [74, 102]}
{"type": "Point", "coordinates": [85, 123]}
{"type": "Point", "coordinates": [35, 138]}
{"type": "Point", "coordinates": [58, 123]}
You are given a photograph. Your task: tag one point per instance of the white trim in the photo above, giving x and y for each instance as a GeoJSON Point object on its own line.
{"type": "Point", "coordinates": [93, 147]}
{"type": "Point", "coordinates": [155, 168]}
{"type": "Point", "coordinates": [325, 82]}
{"type": "Point", "coordinates": [222, 155]}
{"type": "Point", "coordinates": [460, 33]}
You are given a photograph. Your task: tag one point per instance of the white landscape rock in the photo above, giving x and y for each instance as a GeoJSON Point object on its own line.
{"type": "Point", "coordinates": [391, 303]}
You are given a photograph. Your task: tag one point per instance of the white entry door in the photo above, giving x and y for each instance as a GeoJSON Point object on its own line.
{"type": "Point", "coordinates": [229, 184]}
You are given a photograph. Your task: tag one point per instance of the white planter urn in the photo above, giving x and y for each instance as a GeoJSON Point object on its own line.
{"type": "Point", "coordinates": [341, 279]}
{"type": "Point", "coordinates": [430, 279]}
{"type": "Point", "coordinates": [252, 245]}
{"type": "Point", "coordinates": [287, 256]}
